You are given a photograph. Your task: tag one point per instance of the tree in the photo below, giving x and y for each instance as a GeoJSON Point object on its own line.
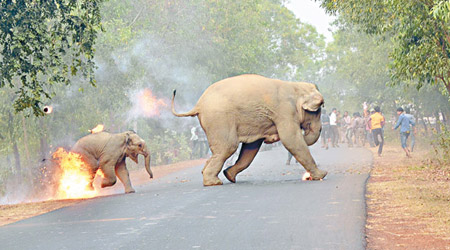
{"type": "Point", "coordinates": [45, 43]}
{"type": "Point", "coordinates": [356, 71]}
{"type": "Point", "coordinates": [419, 31]}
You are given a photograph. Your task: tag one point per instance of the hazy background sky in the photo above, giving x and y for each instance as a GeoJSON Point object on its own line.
{"type": "Point", "coordinates": [309, 11]}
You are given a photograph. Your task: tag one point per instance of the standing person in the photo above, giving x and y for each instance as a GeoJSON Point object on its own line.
{"type": "Point", "coordinates": [358, 126]}
{"type": "Point", "coordinates": [376, 125]}
{"type": "Point", "coordinates": [368, 131]}
{"type": "Point", "coordinates": [347, 128]}
{"type": "Point", "coordinates": [194, 142]}
{"type": "Point", "coordinates": [405, 129]}
{"type": "Point", "coordinates": [288, 162]}
{"type": "Point", "coordinates": [341, 128]}
{"type": "Point", "coordinates": [334, 132]}
{"type": "Point", "coordinates": [413, 130]}
{"type": "Point", "coordinates": [325, 134]}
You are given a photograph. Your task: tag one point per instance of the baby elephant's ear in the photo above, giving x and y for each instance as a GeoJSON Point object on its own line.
{"type": "Point", "coordinates": [128, 138]}
{"type": "Point", "coordinates": [312, 102]}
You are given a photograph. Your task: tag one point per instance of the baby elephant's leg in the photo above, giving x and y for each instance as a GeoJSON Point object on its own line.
{"type": "Point", "coordinates": [124, 176]}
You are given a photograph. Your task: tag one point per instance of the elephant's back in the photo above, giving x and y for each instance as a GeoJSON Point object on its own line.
{"type": "Point", "coordinates": [90, 143]}
{"type": "Point", "coordinates": [238, 90]}
{"type": "Point", "coordinates": [245, 103]}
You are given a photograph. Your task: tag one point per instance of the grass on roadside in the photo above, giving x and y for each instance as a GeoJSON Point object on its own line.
{"type": "Point", "coordinates": [408, 198]}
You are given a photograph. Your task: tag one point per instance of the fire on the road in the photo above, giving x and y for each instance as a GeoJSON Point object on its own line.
{"type": "Point", "coordinates": [74, 181]}
{"type": "Point", "coordinates": [306, 176]}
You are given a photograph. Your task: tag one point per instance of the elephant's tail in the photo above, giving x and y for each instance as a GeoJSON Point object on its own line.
{"type": "Point", "coordinates": [193, 112]}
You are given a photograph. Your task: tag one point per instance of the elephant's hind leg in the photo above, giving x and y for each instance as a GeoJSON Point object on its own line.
{"type": "Point", "coordinates": [92, 166]}
{"type": "Point", "coordinates": [246, 156]}
{"type": "Point", "coordinates": [214, 164]}
{"type": "Point", "coordinates": [109, 176]}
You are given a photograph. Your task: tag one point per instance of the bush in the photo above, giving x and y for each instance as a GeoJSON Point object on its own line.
{"type": "Point", "coordinates": [441, 147]}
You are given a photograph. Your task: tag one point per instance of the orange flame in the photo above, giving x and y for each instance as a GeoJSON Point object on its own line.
{"type": "Point", "coordinates": [99, 128]}
{"type": "Point", "coordinates": [306, 176]}
{"type": "Point", "coordinates": [148, 104]}
{"type": "Point", "coordinates": [75, 180]}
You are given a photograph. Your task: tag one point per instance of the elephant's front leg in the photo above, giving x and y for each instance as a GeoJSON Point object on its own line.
{"type": "Point", "coordinates": [294, 142]}
{"type": "Point", "coordinates": [246, 156]}
{"type": "Point", "coordinates": [124, 176]}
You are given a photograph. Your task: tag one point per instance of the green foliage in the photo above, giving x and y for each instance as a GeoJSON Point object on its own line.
{"type": "Point", "coordinates": [419, 31]}
{"type": "Point", "coordinates": [169, 147]}
{"type": "Point", "coordinates": [356, 71]}
{"type": "Point", "coordinates": [441, 11]}
{"type": "Point", "coordinates": [45, 43]}
{"type": "Point", "coordinates": [441, 147]}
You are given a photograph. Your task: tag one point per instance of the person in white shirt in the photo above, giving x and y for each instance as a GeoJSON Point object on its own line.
{"type": "Point", "coordinates": [334, 132]}
{"type": "Point", "coordinates": [194, 143]}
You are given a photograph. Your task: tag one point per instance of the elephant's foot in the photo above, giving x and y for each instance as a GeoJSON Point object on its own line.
{"type": "Point", "coordinates": [318, 174]}
{"type": "Point", "coordinates": [108, 182]}
{"type": "Point", "coordinates": [212, 181]}
{"type": "Point", "coordinates": [229, 176]}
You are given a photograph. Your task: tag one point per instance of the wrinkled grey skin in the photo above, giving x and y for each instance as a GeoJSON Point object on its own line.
{"type": "Point", "coordinates": [253, 109]}
{"type": "Point", "coordinates": [108, 152]}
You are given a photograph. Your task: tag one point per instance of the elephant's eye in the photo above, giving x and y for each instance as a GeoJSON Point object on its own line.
{"type": "Point", "coordinates": [140, 145]}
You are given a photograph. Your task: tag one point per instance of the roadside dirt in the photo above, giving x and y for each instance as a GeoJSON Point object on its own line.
{"type": "Point", "coordinates": [16, 212]}
{"type": "Point", "coordinates": [407, 202]}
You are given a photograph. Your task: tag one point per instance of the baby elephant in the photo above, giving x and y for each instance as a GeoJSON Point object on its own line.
{"type": "Point", "coordinates": [108, 151]}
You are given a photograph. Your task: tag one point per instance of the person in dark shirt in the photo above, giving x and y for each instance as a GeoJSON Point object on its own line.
{"type": "Point", "coordinates": [325, 134]}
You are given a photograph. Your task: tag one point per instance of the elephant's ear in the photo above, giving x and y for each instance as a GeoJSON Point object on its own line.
{"type": "Point", "coordinates": [311, 102]}
{"type": "Point", "coordinates": [129, 149]}
{"type": "Point", "coordinates": [128, 139]}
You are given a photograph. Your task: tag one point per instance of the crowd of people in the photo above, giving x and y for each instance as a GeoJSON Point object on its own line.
{"type": "Point", "coordinates": [368, 127]}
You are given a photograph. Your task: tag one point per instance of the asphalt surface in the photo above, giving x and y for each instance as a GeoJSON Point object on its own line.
{"type": "Point", "coordinates": [269, 207]}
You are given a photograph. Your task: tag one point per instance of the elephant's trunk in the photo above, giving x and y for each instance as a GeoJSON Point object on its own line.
{"type": "Point", "coordinates": [147, 162]}
{"type": "Point", "coordinates": [312, 134]}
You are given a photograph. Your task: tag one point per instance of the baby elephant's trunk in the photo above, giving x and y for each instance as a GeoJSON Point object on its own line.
{"type": "Point", "coordinates": [147, 162]}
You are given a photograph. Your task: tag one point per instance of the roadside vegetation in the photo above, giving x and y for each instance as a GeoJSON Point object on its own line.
{"type": "Point", "coordinates": [93, 68]}
{"type": "Point", "coordinates": [407, 200]}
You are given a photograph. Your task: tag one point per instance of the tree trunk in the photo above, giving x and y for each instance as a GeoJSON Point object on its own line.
{"type": "Point", "coordinates": [18, 167]}
{"type": "Point", "coordinates": [17, 158]}
{"type": "Point", "coordinates": [438, 122]}
{"type": "Point", "coordinates": [43, 140]}
{"type": "Point", "coordinates": [25, 141]}
{"type": "Point", "coordinates": [424, 124]}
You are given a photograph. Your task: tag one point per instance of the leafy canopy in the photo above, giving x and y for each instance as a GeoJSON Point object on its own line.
{"type": "Point", "coordinates": [43, 43]}
{"type": "Point", "coordinates": [419, 31]}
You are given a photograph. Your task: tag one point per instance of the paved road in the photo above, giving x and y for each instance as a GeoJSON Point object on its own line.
{"type": "Point", "coordinates": [268, 208]}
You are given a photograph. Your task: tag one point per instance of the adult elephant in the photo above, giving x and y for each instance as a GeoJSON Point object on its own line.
{"type": "Point", "coordinates": [253, 109]}
{"type": "Point", "coordinates": [107, 152]}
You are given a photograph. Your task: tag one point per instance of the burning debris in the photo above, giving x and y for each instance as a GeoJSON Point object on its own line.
{"type": "Point", "coordinates": [99, 128]}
